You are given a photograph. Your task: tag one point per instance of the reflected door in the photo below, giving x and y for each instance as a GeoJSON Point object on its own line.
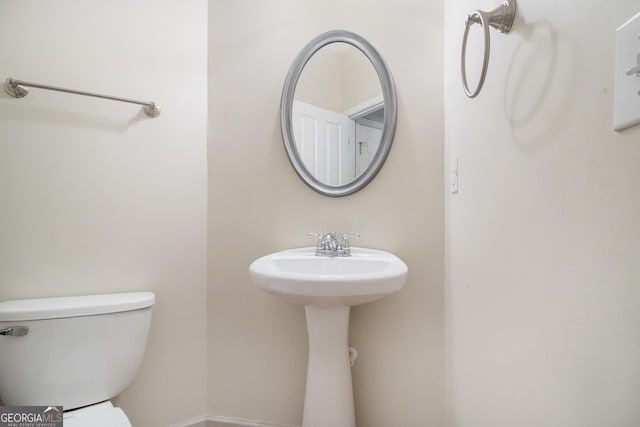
{"type": "Point", "coordinates": [322, 139]}
{"type": "Point", "coordinates": [368, 135]}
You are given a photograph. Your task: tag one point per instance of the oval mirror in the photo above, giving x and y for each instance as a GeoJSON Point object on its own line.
{"type": "Point", "coordinates": [338, 113]}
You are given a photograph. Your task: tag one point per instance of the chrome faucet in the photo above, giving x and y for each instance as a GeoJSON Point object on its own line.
{"type": "Point", "coordinates": [328, 245]}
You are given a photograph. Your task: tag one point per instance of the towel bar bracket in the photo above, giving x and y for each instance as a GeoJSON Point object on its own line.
{"type": "Point", "coordinates": [15, 89]}
{"type": "Point", "coordinates": [151, 110]}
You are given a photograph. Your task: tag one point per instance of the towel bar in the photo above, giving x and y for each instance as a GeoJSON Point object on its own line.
{"type": "Point", "coordinates": [18, 89]}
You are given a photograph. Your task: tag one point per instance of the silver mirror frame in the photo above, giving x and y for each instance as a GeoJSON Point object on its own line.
{"type": "Point", "coordinates": [390, 111]}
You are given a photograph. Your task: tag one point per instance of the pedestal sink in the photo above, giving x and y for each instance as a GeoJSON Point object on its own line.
{"type": "Point", "coordinates": [328, 287]}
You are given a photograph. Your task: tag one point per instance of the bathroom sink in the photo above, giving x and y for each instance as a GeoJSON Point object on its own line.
{"type": "Point", "coordinates": [328, 287]}
{"type": "Point", "coordinates": [299, 276]}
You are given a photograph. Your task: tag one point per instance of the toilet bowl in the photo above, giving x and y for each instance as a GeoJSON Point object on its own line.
{"type": "Point", "coordinates": [76, 352]}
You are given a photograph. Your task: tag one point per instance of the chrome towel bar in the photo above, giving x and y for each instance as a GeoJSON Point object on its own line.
{"type": "Point", "coordinates": [18, 89]}
{"type": "Point", "coordinates": [501, 18]}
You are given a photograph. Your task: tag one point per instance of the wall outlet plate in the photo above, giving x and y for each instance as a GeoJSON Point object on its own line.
{"type": "Point", "coordinates": [627, 75]}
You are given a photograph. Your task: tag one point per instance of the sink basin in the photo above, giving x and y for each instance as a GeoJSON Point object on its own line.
{"type": "Point", "coordinates": [299, 276]}
{"type": "Point", "coordinates": [328, 287]}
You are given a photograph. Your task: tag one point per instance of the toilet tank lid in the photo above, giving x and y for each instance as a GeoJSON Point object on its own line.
{"type": "Point", "coordinates": [87, 305]}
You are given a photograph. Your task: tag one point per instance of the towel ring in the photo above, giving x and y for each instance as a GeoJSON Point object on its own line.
{"type": "Point", "coordinates": [501, 18]}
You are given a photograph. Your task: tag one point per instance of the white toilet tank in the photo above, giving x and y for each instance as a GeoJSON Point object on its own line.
{"type": "Point", "coordinates": [72, 351]}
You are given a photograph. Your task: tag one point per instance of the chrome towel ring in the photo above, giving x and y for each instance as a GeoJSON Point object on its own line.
{"type": "Point", "coordinates": [501, 18]}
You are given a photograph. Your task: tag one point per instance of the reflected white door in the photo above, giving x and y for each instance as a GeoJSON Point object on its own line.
{"type": "Point", "coordinates": [368, 135]}
{"type": "Point", "coordinates": [322, 138]}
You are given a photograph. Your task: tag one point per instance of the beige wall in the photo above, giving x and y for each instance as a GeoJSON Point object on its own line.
{"type": "Point", "coordinates": [338, 78]}
{"type": "Point", "coordinates": [96, 197]}
{"type": "Point", "coordinates": [257, 204]}
{"type": "Point", "coordinates": [360, 80]}
{"type": "Point", "coordinates": [543, 239]}
{"type": "Point", "coordinates": [321, 82]}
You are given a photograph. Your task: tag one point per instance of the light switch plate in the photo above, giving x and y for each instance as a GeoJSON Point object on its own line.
{"type": "Point", "coordinates": [627, 75]}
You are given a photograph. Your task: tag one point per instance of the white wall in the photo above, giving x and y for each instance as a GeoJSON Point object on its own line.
{"type": "Point", "coordinates": [98, 198]}
{"type": "Point", "coordinates": [543, 239]}
{"type": "Point", "coordinates": [258, 344]}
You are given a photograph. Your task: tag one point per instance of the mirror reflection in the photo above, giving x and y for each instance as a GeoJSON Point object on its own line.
{"type": "Point", "coordinates": [338, 114]}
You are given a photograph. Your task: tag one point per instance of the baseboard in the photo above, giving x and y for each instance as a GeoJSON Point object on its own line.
{"type": "Point", "coordinates": [216, 421]}
{"type": "Point", "coordinates": [200, 421]}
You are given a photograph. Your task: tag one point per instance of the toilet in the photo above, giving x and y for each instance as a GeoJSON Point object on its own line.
{"type": "Point", "coordinates": [76, 352]}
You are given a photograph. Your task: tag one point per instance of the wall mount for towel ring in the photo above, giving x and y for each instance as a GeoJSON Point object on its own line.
{"type": "Point", "coordinates": [501, 18]}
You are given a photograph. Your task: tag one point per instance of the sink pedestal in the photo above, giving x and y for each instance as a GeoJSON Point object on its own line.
{"type": "Point", "coordinates": [328, 397]}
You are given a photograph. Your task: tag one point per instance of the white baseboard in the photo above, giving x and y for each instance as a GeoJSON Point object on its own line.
{"type": "Point", "coordinates": [245, 423]}
{"type": "Point", "coordinates": [203, 420]}
{"type": "Point", "coordinates": [200, 421]}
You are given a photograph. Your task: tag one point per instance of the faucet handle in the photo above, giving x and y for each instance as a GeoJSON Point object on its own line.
{"type": "Point", "coordinates": [345, 242]}
{"type": "Point", "coordinates": [319, 236]}
{"type": "Point", "coordinates": [345, 236]}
